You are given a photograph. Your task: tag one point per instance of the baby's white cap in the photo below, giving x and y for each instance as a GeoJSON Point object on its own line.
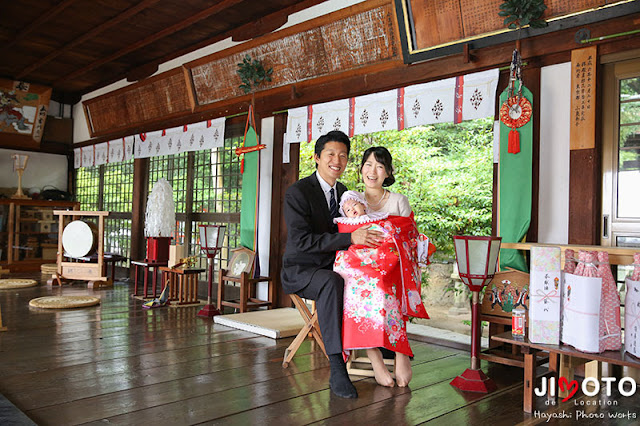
{"type": "Point", "coordinates": [353, 195]}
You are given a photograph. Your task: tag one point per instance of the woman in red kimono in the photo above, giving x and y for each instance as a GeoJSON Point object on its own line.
{"type": "Point", "coordinates": [382, 285]}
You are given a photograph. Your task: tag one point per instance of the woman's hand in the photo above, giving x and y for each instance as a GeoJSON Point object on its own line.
{"type": "Point", "coordinates": [367, 237]}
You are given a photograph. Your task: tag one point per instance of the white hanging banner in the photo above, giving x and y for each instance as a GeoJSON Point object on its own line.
{"type": "Point", "coordinates": [376, 112]}
{"type": "Point", "coordinates": [192, 137]}
{"type": "Point", "coordinates": [116, 151]}
{"type": "Point", "coordinates": [429, 103]}
{"type": "Point", "coordinates": [101, 152]}
{"type": "Point", "coordinates": [169, 142]}
{"type": "Point", "coordinates": [297, 125]}
{"type": "Point", "coordinates": [479, 94]}
{"type": "Point", "coordinates": [129, 146]}
{"type": "Point", "coordinates": [147, 144]}
{"type": "Point", "coordinates": [329, 116]}
{"type": "Point", "coordinates": [208, 134]}
{"type": "Point", "coordinates": [450, 100]}
{"type": "Point", "coordinates": [87, 156]}
{"type": "Point", "coordinates": [77, 158]}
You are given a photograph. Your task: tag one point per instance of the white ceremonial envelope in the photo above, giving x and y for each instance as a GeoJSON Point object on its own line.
{"type": "Point", "coordinates": [632, 318]}
{"type": "Point", "coordinates": [545, 295]}
{"type": "Point", "coordinates": [581, 312]}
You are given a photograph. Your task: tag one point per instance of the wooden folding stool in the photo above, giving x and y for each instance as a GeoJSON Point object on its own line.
{"type": "Point", "coordinates": [310, 328]}
{"type": "Point", "coordinates": [361, 365]}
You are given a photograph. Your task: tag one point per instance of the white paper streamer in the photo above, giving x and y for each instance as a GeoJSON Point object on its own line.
{"type": "Point", "coordinates": [160, 217]}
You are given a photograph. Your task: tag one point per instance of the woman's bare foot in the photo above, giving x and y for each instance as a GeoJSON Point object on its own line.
{"type": "Point", "coordinates": [403, 369]}
{"type": "Point", "coordinates": [382, 375]}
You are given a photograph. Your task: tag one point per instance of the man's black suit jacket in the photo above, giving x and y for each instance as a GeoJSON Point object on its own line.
{"type": "Point", "coordinates": [312, 237]}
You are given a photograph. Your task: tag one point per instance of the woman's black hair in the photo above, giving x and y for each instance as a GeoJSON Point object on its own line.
{"type": "Point", "coordinates": [383, 156]}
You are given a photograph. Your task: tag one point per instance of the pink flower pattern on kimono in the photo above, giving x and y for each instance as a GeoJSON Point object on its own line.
{"type": "Point", "coordinates": [394, 321]}
{"type": "Point", "coordinates": [381, 288]}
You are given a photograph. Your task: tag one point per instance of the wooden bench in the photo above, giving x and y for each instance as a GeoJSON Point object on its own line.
{"type": "Point", "coordinates": [530, 351]}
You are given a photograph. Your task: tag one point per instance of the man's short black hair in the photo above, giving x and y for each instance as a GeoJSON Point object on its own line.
{"type": "Point", "coordinates": [332, 136]}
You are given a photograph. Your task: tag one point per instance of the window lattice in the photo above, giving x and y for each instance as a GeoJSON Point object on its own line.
{"type": "Point", "coordinates": [88, 187]}
{"type": "Point", "coordinates": [118, 187]}
{"type": "Point", "coordinates": [217, 181]}
{"type": "Point", "coordinates": [174, 169]}
{"type": "Point", "coordinates": [214, 185]}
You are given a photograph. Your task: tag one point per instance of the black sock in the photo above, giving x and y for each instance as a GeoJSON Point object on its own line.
{"type": "Point", "coordinates": [339, 382]}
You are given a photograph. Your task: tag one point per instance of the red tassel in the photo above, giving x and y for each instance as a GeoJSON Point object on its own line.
{"type": "Point", "coordinates": [514, 142]}
{"type": "Point", "coordinates": [242, 166]}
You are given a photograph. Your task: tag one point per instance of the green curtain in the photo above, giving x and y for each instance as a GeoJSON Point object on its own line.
{"type": "Point", "coordinates": [515, 189]}
{"type": "Point", "coordinates": [248, 208]}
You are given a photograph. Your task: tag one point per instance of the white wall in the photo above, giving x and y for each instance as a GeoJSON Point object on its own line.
{"type": "Point", "coordinates": [555, 116]}
{"type": "Point", "coordinates": [80, 129]}
{"type": "Point", "coordinates": [264, 202]}
{"type": "Point", "coordinates": [42, 170]}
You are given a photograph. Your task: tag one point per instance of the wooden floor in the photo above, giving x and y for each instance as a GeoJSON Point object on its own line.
{"type": "Point", "coordinates": [120, 364]}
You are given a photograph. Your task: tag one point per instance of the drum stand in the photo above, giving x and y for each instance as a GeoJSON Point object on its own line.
{"type": "Point", "coordinates": [94, 273]}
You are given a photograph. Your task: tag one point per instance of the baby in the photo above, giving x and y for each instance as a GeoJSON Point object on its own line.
{"type": "Point", "coordinates": [355, 210]}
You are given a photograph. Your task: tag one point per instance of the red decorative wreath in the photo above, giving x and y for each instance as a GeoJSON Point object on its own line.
{"type": "Point", "coordinates": [515, 114]}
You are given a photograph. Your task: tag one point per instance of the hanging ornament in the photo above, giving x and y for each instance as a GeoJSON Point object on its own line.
{"type": "Point", "coordinates": [515, 113]}
{"type": "Point", "coordinates": [242, 150]}
{"type": "Point", "coordinates": [516, 110]}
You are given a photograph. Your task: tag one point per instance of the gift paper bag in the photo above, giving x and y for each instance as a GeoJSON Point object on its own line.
{"type": "Point", "coordinates": [581, 312]}
{"type": "Point", "coordinates": [545, 292]}
{"type": "Point", "coordinates": [632, 310]}
{"type": "Point", "coordinates": [610, 329]}
{"type": "Point", "coordinates": [632, 318]}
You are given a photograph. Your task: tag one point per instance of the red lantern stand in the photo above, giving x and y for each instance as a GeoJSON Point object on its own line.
{"type": "Point", "coordinates": [473, 379]}
{"type": "Point", "coordinates": [211, 238]}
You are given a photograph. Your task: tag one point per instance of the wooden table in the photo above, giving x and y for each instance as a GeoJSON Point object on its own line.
{"type": "Point", "coordinates": [147, 265]}
{"type": "Point", "coordinates": [183, 284]}
{"type": "Point", "coordinates": [531, 349]}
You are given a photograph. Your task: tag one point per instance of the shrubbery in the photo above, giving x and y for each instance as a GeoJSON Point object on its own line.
{"type": "Point", "coordinates": [446, 171]}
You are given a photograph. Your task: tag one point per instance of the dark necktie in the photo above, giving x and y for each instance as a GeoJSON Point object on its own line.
{"type": "Point", "coordinates": [333, 206]}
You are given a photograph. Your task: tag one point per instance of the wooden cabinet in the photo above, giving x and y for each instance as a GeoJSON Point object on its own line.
{"type": "Point", "coordinates": [29, 232]}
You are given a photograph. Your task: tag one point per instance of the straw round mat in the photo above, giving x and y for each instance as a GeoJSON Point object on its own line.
{"type": "Point", "coordinates": [13, 283]}
{"type": "Point", "coordinates": [49, 268]}
{"type": "Point", "coordinates": [64, 302]}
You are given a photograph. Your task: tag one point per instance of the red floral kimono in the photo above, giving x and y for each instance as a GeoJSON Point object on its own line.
{"type": "Point", "coordinates": [382, 287]}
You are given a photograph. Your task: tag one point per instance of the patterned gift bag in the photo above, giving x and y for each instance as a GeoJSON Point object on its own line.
{"type": "Point", "coordinates": [632, 310]}
{"type": "Point", "coordinates": [569, 261]}
{"type": "Point", "coordinates": [581, 296]}
{"type": "Point", "coordinates": [610, 330]}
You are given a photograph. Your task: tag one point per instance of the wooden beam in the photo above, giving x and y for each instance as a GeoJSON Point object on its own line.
{"type": "Point", "coordinates": [155, 37]}
{"type": "Point", "coordinates": [88, 35]}
{"type": "Point", "coordinates": [176, 54]}
{"type": "Point", "coordinates": [544, 50]}
{"type": "Point", "coordinates": [49, 14]}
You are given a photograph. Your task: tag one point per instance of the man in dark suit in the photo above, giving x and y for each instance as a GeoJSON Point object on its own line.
{"type": "Point", "coordinates": [310, 206]}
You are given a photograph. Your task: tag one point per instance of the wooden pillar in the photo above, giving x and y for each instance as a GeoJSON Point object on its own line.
{"type": "Point", "coordinates": [531, 78]}
{"type": "Point", "coordinates": [584, 197]}
{"type": "Point", "coordinates": [283, 175]}
{"type": "Point", "coordinates": [140, 184]}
